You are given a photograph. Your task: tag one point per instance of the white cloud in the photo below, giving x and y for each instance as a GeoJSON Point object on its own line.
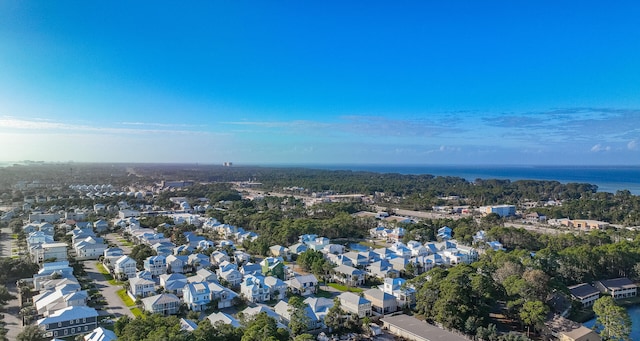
{"type": "Point", "coordinates": [40, 125]}
{"type": "Point", "coordinates": [600, 148]}
{"type": "Point", "coordinates": [632, 145]}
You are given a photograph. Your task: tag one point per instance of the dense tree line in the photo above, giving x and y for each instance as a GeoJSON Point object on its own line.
{"type": "Point", "coordinates": [619, 208]}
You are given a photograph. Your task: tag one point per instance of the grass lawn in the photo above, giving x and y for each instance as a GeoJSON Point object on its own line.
{"type": "Point", "coordinates": [137, 312]}
{"type": "Point", "coordinates": [323, 293]}
{"type": "Point", "coordinates": [371, 245]}
{"type": "Point", "coordinates": [344, 287]}
{"type": "Point", "coordinates": [107, 275]}
{"type": "Point", "coordinates": [124, 242]}
{"type": "Point", "coordinates": [125, 298]}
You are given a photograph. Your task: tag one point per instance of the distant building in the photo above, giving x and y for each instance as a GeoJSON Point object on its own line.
{"type": "Point", "coordinates": [618, 287]}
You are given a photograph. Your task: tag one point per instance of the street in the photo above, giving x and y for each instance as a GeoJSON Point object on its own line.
{"type": "Point", "coordinates": [114, 306]}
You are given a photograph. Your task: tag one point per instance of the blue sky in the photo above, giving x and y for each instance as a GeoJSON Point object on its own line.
{"type": "Point", "coordinates": [408, 82]}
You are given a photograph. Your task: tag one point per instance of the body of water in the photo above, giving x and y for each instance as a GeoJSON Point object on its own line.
{"type": "Point", "coordinates": [634, 313]}
{"type": "Point", "coordinates": [607, 178]}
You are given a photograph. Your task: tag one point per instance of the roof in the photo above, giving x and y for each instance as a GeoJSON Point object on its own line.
{"type": "Point", "coordinates": [580, 332]}
{"type": "Point", "coordinates": [353, 298]}
{"type": "Point", "coordinates": [160, 299]}
{"type": "Point", "coordinates": [583, 290]}
{"type": "Point", "coordinates": [378, 294]}
{"type": "Point", "coordinates": [618, 283]}
{"type": "Point", "coordinates": [69, 313]}
{"type": "Point", "coordinates": [420, 329]}
{"type": "Point", "coordinates": [100, 334]}
{"type": "Point", "coordinates": [224, 318]}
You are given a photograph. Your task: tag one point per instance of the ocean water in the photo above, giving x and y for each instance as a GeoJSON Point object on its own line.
{"type": "Point", "coordinates": [607, 178]}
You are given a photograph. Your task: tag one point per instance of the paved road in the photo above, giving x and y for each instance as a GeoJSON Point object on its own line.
{"type": "Point", "coordinates": [114, 238]}
{"type": "Point", "coordinates": [11, 318]}
{"type": "Point", "coordinates": [114, 305]}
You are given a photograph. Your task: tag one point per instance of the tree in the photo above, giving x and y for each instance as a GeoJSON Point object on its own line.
{"type": "Point", "coordinates": [304, 337]}
{"type": "Point", "coordinates": [264, 327]}
{"type": "Point", "coordinates": [5, 295]}
{"type": "Point", "coordinates": [298, 321]}
{"type": "Point", "coordinates": [613, 321]}
{"type": "Point", "coordinates": [333, 319]}
{"type": "Point", "coordinates": [533, 314]}
{"type": "Point", "coordinates": [31, 333]}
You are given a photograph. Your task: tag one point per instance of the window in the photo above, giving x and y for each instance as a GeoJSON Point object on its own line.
{"type": "Point", "coordinates": [84, 320]}
{"type": "Point", "coordinates": [73, 330]}
{"type": "Point", "coordinates": [86, 328]}
{"type": "Point", "coordinates": [59, 324]}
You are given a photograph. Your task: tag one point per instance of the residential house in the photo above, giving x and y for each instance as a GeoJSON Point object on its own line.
{"type": "Point", "coordinates": [298, 248]}
{"type": "Point", "coordinates": [203, 275]}
{"type": "Point", "coordinates": [100, 334]}
{"type": "Point", "coordinates": [188, 325]}
{"type": "Point", "coordinates": [164, 304]}
{"type": "Point", "coordinates": [357, 259]}
{"type": "Point", "coordinates": [279, 251]}
{"type": "Point", "coordinates": [173, 283]}
{"type": "Point", "coordinates": [254, 289]}
{"type": "Point", "coordinates": [176, 264]}
{"type": "Point", "coordinates": [618, 287]}
{"type": "Point", "coordinates": [382, 269]}
{"type": "Point", "coordinates": [584, 293]}
{"type": "Point", "coordinates": [125, 268]}
{"type": "Point", "coordinates": [445, 233]}
{"type": "Point", "coordinates": [355, 304]}
{"type": "Point", "coordinates": [140, 287]}
{"type": "Point", "coordinates": [223, 318]}
{"type": "Point", "coordinates": [251, 269]}
{"type": "Point", "coordinates": [156, 265]}
{"type": "Point", "coordinates": [273, 267]}
{"type": "Point", "coordinates": [89, 248]}
{"type": "Point", "coordinates": [251, 312]}
{"type": "Point", "coordinates": [396, 234]}
{"type": "Point", "coordinates": [224, 296]}
{"type": "Point", "coordinates": [197, 261]}
{"type": "Point", "coordinates": [217, 257]}
{"type": "Point", "coordinates": [277, 287]}
{"type": "Point", "coordinates": [348, 275]}
{"type": "Point", "coordinates": [335, 249]}
{"type": "Point", "coordinates": [318, 243]}
{"type": "Point", "coordinates": [231, 276]}
{"type": "Point", "coordinates": [303, 285]}
{"type": "Point", "coordinates": [69, 321]}
{"type": "Point", "coordinates": [61, 297]}
{"type": "Point", "coordinates": [164, 248]}
{"type": "Point", "coordinates": [100, 226]}
{"type": "Point", "coordinates": [283, 309]}
{"type": "Point", "coordinates": [405, 295]}
{"type": "Point", "coordinates": [196, 295]}
{"type": "Point", "coordinates": [381, 302]}
{"type": "Point", "coordinates": [49, 251]}
{"type": "Point", "coordinates": [319, 306]}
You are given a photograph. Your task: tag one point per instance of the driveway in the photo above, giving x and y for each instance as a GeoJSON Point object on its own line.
{"type": "Point", "coordinates": [114, 306]}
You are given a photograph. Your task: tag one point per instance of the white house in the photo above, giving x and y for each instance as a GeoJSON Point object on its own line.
{"type": "Point", "coordinates": [140, 287]}
{"type": "Point", "coordinates": [196, 295]}
{"type": "Point", "coordinates": [125, 268]}
{"type": "Point", "coordinates": [355, 304]}
{"type": "Point", "coordinates": [254, 289]}
{"type": "Point", "coordinates": [164, 304]}
{"type": "Point", "coordinates": [303, 285]}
